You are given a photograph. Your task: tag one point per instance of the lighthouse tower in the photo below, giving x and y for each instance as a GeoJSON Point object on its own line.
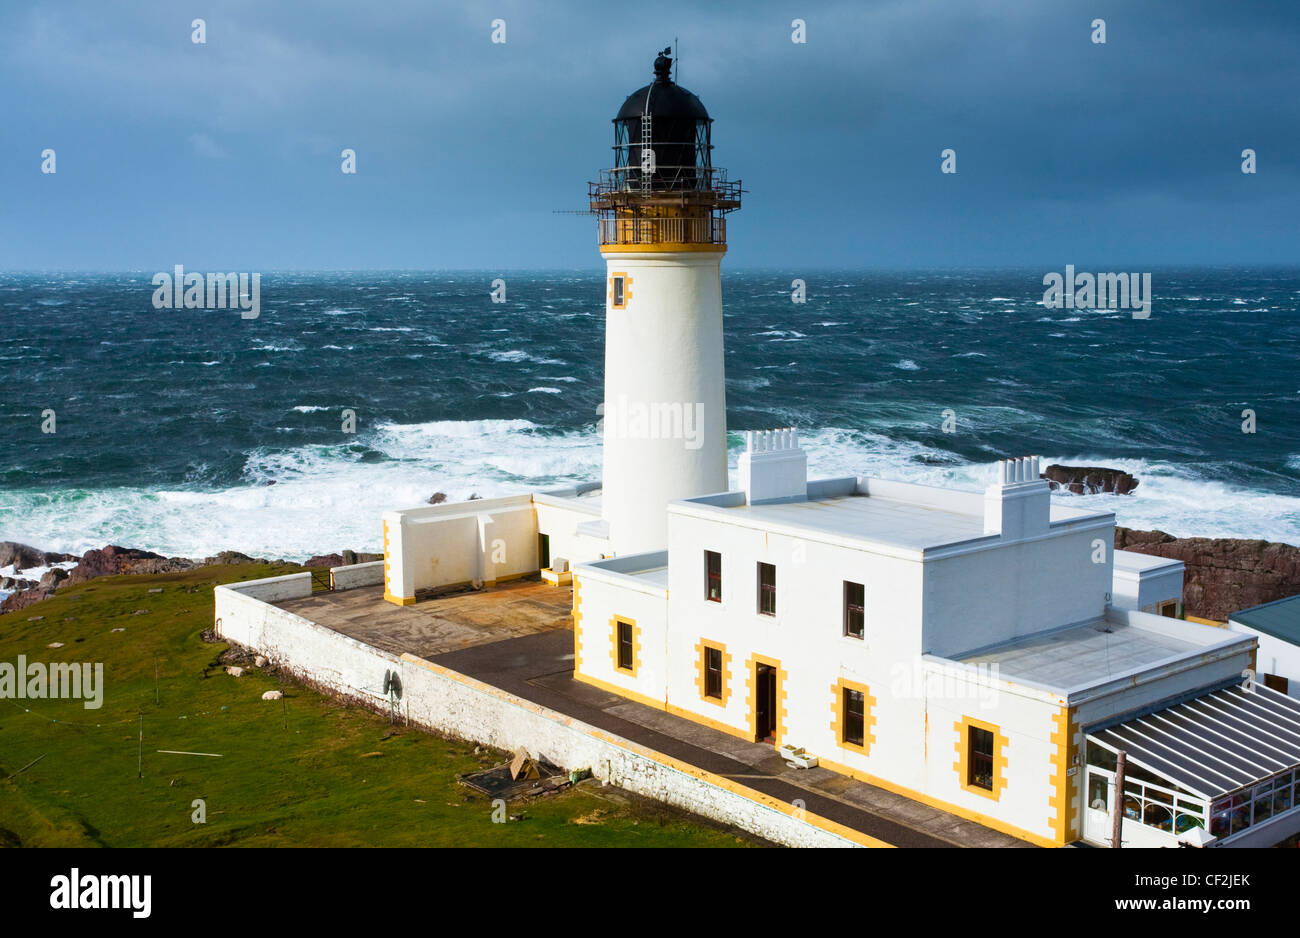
{"type": "Point", "coordinates": [663, 233]}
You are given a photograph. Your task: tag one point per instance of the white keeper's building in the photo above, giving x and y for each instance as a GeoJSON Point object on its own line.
{"type": "Point", "coordinates": [988, 653]}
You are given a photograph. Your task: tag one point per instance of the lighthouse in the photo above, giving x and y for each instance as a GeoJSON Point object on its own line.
{"type": "Point", "coordinates": [662, 227]}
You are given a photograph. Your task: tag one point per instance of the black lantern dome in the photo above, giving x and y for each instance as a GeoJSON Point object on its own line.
{"type": "Point", "coordinates": [674, 123]}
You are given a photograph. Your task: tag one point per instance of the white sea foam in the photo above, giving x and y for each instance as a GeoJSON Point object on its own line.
{"type": "Point", "coordinates": [519, 355]}
{"type": "Point", "coordinates": [330, 497]}
{"type": "Point", "coordinates": [906, 365]}
{"type": "Point", "coordinates": [309, 408]}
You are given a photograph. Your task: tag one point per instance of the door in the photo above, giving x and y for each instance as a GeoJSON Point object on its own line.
{"type": "Point", "coordinates": [764, 702]}
{"type": "Point", "coordinates": [1099, 797]}
{"type": "Point", "coordinates": [544, 551]}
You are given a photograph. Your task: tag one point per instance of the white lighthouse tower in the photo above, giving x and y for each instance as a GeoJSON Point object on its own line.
{"type": "Point", "coordinates": [663, 233]}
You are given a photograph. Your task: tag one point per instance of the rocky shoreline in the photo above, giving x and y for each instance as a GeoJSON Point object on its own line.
{"type": "Point", "coordinates": [1224, 575]}
{"type": "Point", "coordinates": [112, 560]}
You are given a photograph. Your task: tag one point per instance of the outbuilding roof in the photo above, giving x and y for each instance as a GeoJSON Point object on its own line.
{"type": "Point", "coordinates": [1214, 744]}
{"type": "Point", "coordinates": [1280, 618]}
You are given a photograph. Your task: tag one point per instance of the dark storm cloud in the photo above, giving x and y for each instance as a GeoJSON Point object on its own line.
{"type": "Point", "coordinates": [227, 154]}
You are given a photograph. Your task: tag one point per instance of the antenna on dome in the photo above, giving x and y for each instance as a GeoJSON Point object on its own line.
{"type": "Point", "coordinates": [676, 63]}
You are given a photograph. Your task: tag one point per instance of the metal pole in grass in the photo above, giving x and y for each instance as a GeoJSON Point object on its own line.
{"type": "Point", "coordinates": [284, 712]}
{"type": "Point", "coordinates": [155, 682]}
{"type": "Point", "coordinates": [139, 764]}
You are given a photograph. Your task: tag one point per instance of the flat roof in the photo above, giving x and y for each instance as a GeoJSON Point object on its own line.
{"type": "Point", "coordinates": [1141, 563]}
{"type": "Point", "coordinates": [1082, 655]}
{"type": "Point", "coordinates": [1280, 618]}
{"type": "Point", "coordinates": [889, 520]}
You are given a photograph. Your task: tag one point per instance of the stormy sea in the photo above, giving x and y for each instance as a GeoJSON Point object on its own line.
{"type": "Point", "coordinates": [188, 432]}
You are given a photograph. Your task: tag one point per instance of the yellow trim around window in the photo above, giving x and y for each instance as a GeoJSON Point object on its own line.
{"type": "Point", "coordinates": [701, 676]}
{"type": "Point", "coordinates": [627, 289]}
{"type": "Point", "coordinates": [838, 723]}
{"type": "Point", "coordinates": [1000, 758]}
{"type": "Point", "coordinates": [636, 645]}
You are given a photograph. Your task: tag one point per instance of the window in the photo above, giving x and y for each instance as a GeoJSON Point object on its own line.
{"type": "Point", "coordinates": [979, 768]}
{"type": "Point", "coordinates": [766, 589]}
{"type": "Point", "coordinates": [713, 576]}
{"type": "Point", "coordinates": [625, 645]}
{"type": "Point", "coordinates": [854, 717]}
{"type": "Point", "coordinates": [619, 298]}
{"type": "Point", "coordinates": [1169, 609]}
{"type": "Point", "coordinates": [713, 673]}
{"type": "Point", "coordinates": [854, 611]}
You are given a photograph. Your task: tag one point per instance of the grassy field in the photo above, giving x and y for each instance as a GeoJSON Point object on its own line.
{"type": "Point", "coordinates": [305, 771]}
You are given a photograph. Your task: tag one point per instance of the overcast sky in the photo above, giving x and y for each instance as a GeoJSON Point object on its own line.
{"type": "Point", "coordinates": [226, 155]}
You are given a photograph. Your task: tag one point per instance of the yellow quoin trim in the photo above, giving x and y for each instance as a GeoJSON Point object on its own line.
{"type": "Point", "coordinates": [751, 696]}
{"type": "Point", "coordinates": [388, 578]}
{"type": "Point", "coordinates": [627, 289]}
{"type": "Point", "coordinates": [868, 716]}
{"type": "Point", "coordinates": [1063, 797]}
{"type": "Point", "coordinates": [701, 667]}
{"type": "Point", "coordinates": [962, 765]}
{"type": "Point", "coordinates": [577, 626]}
{"type": "Point", "coordinates": [636, 645]}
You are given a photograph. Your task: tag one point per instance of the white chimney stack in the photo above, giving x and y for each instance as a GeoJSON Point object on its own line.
{"type": "Point", "coordinates": [773, 467]}
{"type": "Point", "coordinates": [1020, 503]}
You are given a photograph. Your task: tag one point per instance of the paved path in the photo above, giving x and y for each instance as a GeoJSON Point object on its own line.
{"type": "Point", "coordinates": [539, 668]}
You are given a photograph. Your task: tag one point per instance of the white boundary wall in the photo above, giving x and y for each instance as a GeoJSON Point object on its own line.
{"type": "Point", "coordinates": [356, 575]}
{"type": "Point", "coordinates": [450, 702]}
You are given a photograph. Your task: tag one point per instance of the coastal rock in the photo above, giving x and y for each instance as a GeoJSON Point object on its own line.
{"type": "Point", "coordinates": [21, 556]}
{"type": "Point", "coordinates": [53, 577]}
{"type": "Point", "coordinates": [1223, 575]}
{"type": "Point", "coordinates": [324, 560]}
{"type": "Point", "coordinates": [1089, 480]}
{"type": "Point", "coordinates": [273, 695]}
{"type": "Point", "coordinates": [235, 671]}
{"type": "Point", "coordinates": [229, 557]}
{"type": "Point", "coordinates": [113, 560]}
{"type": "Point", "coordinates": [437, 498]}
{"type": "Point", "coordinates": [16, 584]}
{"type": "Point", "coordinates": [24, 599]}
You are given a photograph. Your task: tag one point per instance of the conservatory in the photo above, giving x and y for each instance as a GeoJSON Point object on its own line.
{"type": "Point", "coordinates": [1218, 769]}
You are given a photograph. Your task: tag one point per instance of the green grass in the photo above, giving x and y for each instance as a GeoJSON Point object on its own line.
{"type": "Point", "coordinates": [302, 772]}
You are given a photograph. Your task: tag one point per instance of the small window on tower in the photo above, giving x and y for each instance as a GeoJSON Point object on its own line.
{"type": "Point", "coordinates": [766, 589]}
{"type": "Point", "coordinates": [620, 298]}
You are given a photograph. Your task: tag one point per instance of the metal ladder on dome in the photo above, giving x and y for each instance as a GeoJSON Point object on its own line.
{"type": "Point", "coordinates": [647, 146]}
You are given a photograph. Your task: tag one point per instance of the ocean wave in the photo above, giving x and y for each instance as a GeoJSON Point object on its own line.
{"type": "Point", "coordinates": [906, 365]}
{"type": "Point", "coordinates": [519, 355]}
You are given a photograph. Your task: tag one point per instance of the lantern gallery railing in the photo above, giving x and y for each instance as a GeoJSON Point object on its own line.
{"type": "Point", "coordinates": [704, 230]}
{"type": "Point", "coordinates": [697, 183]}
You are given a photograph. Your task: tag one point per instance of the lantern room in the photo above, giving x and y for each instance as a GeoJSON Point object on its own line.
{"type": "Point", "coordinates": [663, 189]}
